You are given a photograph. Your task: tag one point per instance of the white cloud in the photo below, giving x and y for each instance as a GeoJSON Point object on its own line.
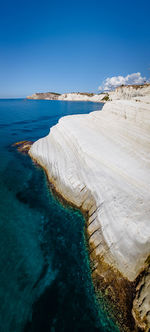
{"type": "Point", "coordinates": [112, 82]}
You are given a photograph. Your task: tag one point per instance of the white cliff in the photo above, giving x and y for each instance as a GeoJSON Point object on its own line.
{"type": "Point", "coordinates": [73, 96]}
{"type": "Point", "coordinates": [82, 97]}
{"type": "Point", "coordinates": [100, 162]}
{"type": "Point", "coordinates": [134, 92]}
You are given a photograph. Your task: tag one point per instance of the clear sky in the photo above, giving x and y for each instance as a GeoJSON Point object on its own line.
{"type": "Point", "coordinates": [71, 45]}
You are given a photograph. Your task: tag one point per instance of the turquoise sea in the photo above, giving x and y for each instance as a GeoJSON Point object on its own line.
{"type": "Point", "coordinates": [45, 281]}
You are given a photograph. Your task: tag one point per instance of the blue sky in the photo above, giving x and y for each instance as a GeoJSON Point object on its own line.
{"type": "Point", "coordinates": [71, 45]}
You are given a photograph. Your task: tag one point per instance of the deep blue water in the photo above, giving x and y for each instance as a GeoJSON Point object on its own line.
{"type": "Point", "coordinates": [45, 281]}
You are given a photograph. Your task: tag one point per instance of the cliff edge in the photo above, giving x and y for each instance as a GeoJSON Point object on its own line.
{"type": "Point", "coordinates": [100, 163]}
{"type": "Point", "coordinates": [72, 96]}
{"type": "Point", "coordinates": [44, 96]}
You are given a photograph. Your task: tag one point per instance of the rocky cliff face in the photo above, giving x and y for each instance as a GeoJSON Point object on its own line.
{"type": "Point", "coordinates": [45, 96]}
{"type": "Point", "coordinates": [100, 163]}
{"type": "Point", "coordinates": [74, 96]}
{"type": "Point", "coordinates": [82, 97]}
{"type": "Point", "coordinates": [132, 92]}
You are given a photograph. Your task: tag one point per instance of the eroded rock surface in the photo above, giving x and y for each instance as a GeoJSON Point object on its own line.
{"type": "Point", "coordinates": [100, 162]}
{"type": "Point", "coordinates": [73, 96]}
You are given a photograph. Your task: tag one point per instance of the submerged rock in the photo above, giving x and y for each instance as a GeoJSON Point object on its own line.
{"type": "Point", "coordinates": [23, 146]}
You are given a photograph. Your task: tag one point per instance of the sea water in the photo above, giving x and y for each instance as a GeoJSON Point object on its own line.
{"type": "Point", "coordinates": [45, 280]}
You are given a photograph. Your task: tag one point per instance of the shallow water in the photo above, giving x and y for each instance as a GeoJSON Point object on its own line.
{"type": "Point", "coordinates": [45, 282]}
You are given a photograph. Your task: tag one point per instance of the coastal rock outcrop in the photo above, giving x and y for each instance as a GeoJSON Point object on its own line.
{"type": "Point", "coordinates": [74, 96]}
{"type": "Point", "coordinates": [78, 96]}
{"type": "Point", "coordinates": [45, 96]}
{"type": "Point", "coordinates": [134, 92]}
{"type": "Point", "coordinates": [100, 163]}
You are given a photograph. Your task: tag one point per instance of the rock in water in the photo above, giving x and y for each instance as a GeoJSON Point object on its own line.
{"type": "Point", "coordinates": [100, 162]}
{"type": "Point", "coordinates": [23, 146]}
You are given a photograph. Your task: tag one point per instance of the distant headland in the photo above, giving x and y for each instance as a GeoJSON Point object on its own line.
{"type": "Point", "coordinates": [123, 91]}
{"type": "Point", "coordinates": [73, 96]}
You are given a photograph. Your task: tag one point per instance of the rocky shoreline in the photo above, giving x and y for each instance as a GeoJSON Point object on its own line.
{"type": "Point", "coordinates": [99, 162]}
{"type": "Point", "coordinates": [74, 96]}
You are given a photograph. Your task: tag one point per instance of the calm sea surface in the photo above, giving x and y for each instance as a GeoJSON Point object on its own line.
{"type": "Point", "coordinates": [45, 282]}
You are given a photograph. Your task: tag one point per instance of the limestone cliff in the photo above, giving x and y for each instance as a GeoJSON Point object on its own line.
{"type": "Point", "coordinates": [74, 96]}
{"type": "Point", "coordinates": [82, 97]}
{"type": "Point", "coordinates": [100, 162]}
{"type": "Point", "coordinates": [44, 95]}
{"type": "Point", "coordinates": [132, 92]}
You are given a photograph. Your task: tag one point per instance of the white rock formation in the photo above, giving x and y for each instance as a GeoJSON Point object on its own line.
{"type": "Point", "coordinates": [137, 93]}
{"type": "Point", "coordinates": [74, 96]}
{"type": "Point", "coordinates": [100, 162]}
{"type": "Point", "coordinates": [82, 97]}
